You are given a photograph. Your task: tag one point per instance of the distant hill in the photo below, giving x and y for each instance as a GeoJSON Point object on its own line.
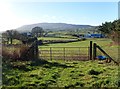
{"type": "Point", "coordinates": [53, 27]}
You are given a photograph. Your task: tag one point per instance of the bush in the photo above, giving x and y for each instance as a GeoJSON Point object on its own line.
{"type": "Point", "coordinates": [14, 52]}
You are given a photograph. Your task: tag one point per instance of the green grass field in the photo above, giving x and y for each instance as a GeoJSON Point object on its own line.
{"type": "Point", "coordinates": [102, 42]}
{"type": "Point", "coordinates": [59, 74]}
{"type": "Point", "coordinates": [57, 38]}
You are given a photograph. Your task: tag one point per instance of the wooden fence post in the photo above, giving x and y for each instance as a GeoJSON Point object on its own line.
{"type": "Point", "coordinates": [90, 50]}
{"type": "Point", "coordinates": [7, 40]}
{"type": "Point", "coordinates": [79, 52]}
{"type": "Point", "coordinates": [50, 53]}
{"type": "Point", "coordinates": [36, 49]}
{"type": "Point", "coordinates": [11, 40]}
{"type": "Point", "coordinates": [94, 51]}
{"type": "Point", "coordinates": [35, 46]}
{"type": "Point", "coordinates": [107, 54]}
{"type": "Point", "coordinates": [64, 52]}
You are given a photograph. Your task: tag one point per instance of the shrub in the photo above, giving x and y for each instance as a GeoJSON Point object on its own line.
{"type": "Point", "coordinates": [14, 52]}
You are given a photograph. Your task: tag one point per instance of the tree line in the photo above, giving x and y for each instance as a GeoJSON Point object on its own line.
{"type": "Point", "coordinates": [14, 34]}
{"type": "Point", "coordinates": [111, 29]}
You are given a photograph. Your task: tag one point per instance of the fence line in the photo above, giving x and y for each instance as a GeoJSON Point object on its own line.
{"type": "Point", "coordinates": [103, 52]}
{"type": "Point", "coordinates": [64, 53]}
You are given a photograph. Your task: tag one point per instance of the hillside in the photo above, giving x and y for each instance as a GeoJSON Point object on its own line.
{"type": "Point", "coordinates": [53, 27]}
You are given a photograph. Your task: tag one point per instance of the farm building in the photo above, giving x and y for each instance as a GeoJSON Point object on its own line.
{"type": "Point", "coordinates": [94, 36]}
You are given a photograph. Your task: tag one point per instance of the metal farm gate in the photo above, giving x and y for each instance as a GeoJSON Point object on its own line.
{"type": "Point", "coordinates": [64, 53]}
{"type": "Point", "coordinates": [75, 53]}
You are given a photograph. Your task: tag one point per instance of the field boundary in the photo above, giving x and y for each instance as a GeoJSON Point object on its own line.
{"type": "Point", "coordinates": [64, 53]}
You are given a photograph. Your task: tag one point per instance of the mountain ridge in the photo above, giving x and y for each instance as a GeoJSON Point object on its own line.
{"type": "Point", "coordinates": [53, 26]}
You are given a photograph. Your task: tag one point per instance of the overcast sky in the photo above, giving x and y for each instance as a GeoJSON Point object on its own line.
{"type": "Point", "coordinates": [16, 14]}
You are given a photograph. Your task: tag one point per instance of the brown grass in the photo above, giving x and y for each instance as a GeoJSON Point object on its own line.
{"type": "Point", "coordinates": [14, 52]}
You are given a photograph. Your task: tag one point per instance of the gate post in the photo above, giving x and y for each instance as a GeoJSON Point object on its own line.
{"type": "Point", "coordinates": [64, 53]}
{"type": "Point", "coordinates": [35, 47]}
{"type": "Point", "coordinates": [50, 53]}
{"type": "Point", "coordinates": [94, 51]}
{"type": "Point", "coordinates": [37, 52]}
{"type": "Point", "coordinates": [90, 50]}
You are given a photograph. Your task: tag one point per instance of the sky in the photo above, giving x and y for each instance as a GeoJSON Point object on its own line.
{"type": "Point", "coordinates": [16, 14]}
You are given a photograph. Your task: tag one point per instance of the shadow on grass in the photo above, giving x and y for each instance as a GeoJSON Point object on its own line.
{"type": "Point", "coordinates": [23, 66]}
{"type": "Point", "coordinates": [47, 64]}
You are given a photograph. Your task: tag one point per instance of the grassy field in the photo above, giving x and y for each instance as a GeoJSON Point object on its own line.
{"type": "Point", "coordinates": [59, 74]}
{"type": "Point", "coordinates": [101, 42]}
{"type": "Point", "coordinates": [57, 38]}
{"type": "Point", "coordinates": [104, 43]}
